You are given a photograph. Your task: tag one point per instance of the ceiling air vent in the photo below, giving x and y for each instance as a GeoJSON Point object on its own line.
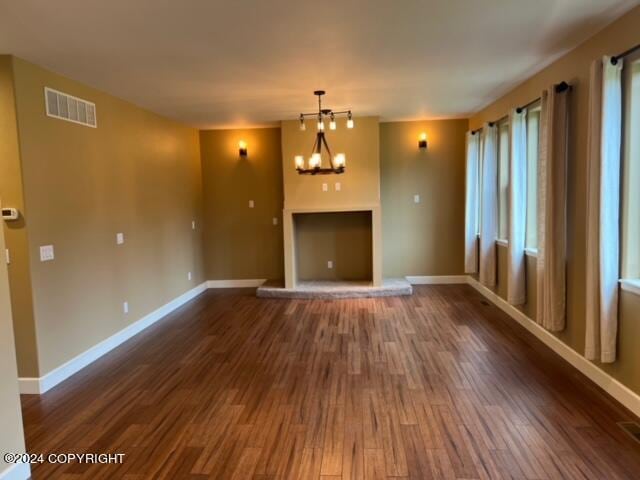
{"type": "Point", "coordinates": [67, 107]}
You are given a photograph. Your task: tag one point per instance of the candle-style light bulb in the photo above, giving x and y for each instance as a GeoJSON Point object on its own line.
{"type": "Point", "coordinates": [302, 125]}
{"type": "Point", "coordinates": [349, 120]}
{"type": "Point", "coordinates": [332, 123]}
{"type": "Point", "coordinates": [339, 160]}
{"type": "Point", "coordinates": [315, 161]}
{"type": "Point", "coordinates": [299, 160]}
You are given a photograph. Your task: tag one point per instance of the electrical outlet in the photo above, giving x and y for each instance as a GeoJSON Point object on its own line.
{"type": "Point", "coordinates": [416, 198]}
{"type": "Point", "coordinates": [7, 256]}
{"type": "Point", "coordinates": [189, 276]}
{"type": "Point", "coordinates": [46, 253]}
{"type": "Point", "coordinates": [275, 220]}
{"type": "Point", "coordinates": [325, 187]}
{"type": "Point", "coordinates": [125, 307]}
{"type": "Point", "coordinates": [193, 224]}
{"type": "Point", "coordinates": [119, 238]}
{"type": "Point", "coordinates": [338, 186]}
{"type": "Point", "coordinates": [251, 204]}
{"type": "Point", "coordinates": [330, 264]}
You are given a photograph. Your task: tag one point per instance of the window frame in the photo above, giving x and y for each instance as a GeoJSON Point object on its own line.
{"type": "Point", "coordinates": [630, 177]}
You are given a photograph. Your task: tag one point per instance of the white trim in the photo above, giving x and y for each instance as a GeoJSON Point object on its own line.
{"type": "Point", "coordinates": [243, 283]}
{"type": "Point", "coordinates": [613, 387]}
{"type": "Point", "coordinates": [630, 285]}
{"type": "Point", "coordinates": [64, 371]}
{"type": "Point", "coordinates": [18, 471]}
{"type": "Point", "coordinates": [531, 252]}
{"type": "Point", "coordinates": [502, 242]}
{"type": "Point", "coordinates": [436, 279]}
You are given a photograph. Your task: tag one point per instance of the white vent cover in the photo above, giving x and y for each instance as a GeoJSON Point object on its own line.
{"type": "Point", "coordinates": [67, 107]}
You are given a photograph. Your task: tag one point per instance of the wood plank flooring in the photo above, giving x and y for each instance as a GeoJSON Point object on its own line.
{"type": "Point", "coordinates": [436, 385]}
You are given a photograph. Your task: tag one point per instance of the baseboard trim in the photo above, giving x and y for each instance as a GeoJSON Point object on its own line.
{"type": "Point", "coordinates": [18, 471]}
{"type": "Point", "coordinates": [613, 387]}
{"type": "Point", "coordinates": [436, 279]}
{"type": "Point", "coordinates": [42, 384]}
{"type": "Point", "coordinates": [242, 283]}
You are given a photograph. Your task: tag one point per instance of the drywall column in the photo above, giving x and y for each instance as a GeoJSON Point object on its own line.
{"type": "Point", "coordinates": [12, 436]}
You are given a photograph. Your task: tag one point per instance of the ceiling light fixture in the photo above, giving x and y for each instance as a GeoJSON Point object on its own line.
{"type": "Point", "coordinates": [337, 163]}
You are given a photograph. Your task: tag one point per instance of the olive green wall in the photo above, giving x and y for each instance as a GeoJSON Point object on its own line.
{"type": "Point", "coordinates": [574, 68]}
{"type": "Point", "coordinates": [242, 242]}
{"type": "Point", "coordinates": [11, 434]}
{"type": "Point", "coordinates": [418, 239]}
{"type": "Point", "coordinates": [15, 232]}
{"type": "Point", "coordinates": [344, 238]}
{"type": "Point", "coordinates": [425, 238]}
{"type": "Point", "coordinates": [137, 173]}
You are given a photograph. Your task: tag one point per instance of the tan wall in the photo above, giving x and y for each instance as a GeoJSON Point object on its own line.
{"type": "Point", "coordinates": [574, 68]}
{"type": "Point", "coordinates": [344, 238]}
{"type": "Point", "coordinates": [11, 436]}
{"type": "Point", "coordinates": [15, 232]}
{"type": "Point", "coordinates": [137, 173]}
{"type": "Point", "coordinates": [424, 238]}
{"type": "Point", "coordinates": [242, 242]}
{"type": "Point", "coordinates": [360, 184]}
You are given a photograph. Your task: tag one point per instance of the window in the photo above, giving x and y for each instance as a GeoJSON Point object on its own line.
{"type": "Point", "coordinates": [503, 180]}
{"type": "Point", "coordinates": [479, 194]}
{"type": "Point", "coordinates": [630, 213]}
{"type": "Point", "coordinates": [533, 131]}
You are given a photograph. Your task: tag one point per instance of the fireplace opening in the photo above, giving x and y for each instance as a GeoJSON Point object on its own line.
{"type": "Point", "coordinates": [333, 246]}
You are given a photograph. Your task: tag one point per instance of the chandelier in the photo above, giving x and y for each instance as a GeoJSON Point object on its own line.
{"type": "Point", "coordinates": [314, 165]}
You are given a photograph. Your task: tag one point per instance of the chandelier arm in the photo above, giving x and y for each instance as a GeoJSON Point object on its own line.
{"type": "Point", "coordinates": [316, 146]}
{"type": "Point", "coordinates": [326, 145]}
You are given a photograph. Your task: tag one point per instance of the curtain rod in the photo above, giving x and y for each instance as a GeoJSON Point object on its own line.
{"type": "Point", "coordinates": [560, 87]}
{"type": "Point", "coordinates": [614, 60]}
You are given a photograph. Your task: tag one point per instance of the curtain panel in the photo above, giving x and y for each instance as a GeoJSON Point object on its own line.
{"type": "Point", "coordinates": [552, 210]}
{"type": "Point", "coordinates": [603, 209]}
{"type": "Point", "coordinates": [489, 206]}
{"type": "Point", "coordinates": [472, 204]}
{"type": "Point", "coordinates": [516, 261]}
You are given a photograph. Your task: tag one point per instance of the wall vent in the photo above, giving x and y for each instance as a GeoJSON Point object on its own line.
{"type": "Point", "coordinates": [67, 107]}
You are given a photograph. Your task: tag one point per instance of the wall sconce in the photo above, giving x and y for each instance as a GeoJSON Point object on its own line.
{"type": "Point", "coordinates": [422, 142]}
{"type": "Point", "coordinates": [242, 148]}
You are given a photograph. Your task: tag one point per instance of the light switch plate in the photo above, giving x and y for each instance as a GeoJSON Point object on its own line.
{"type": "Point", "coordinates": [338, 186]}
{"type": "Point", "coordinates": [125, 307]}
{"type": "Point", "coordinates": [416, 198]}
{"type": "Point", "coordinates": [325, 187]}
{"type": "Point", "coordinates": [46, 253]}
{"type": "Point", "coordinates": [330, 264]}
{"type": "Point", "coordinates": [7, 256]}
{"type": "Point", "coordinates": [275, 220]}
{"type": "Point", "coordinates": [119, 238]}
{"type": "Point", "coordinates": [251, 204]}
{"type": "Point", "coordinates": [193, 224]}
{"type": "Point", "coordinates": [189, 276]}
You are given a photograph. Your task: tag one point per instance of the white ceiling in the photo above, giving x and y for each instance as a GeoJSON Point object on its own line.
{"type": "Point", "coordinates": [212, 63]}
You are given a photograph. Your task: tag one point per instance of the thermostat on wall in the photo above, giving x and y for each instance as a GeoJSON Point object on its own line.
{"type": "Point", "coordinates": [10, 213]}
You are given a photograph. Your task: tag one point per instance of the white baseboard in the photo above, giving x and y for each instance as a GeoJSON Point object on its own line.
{"type": "Point", "coordinates": [19, 471]}
{"type": "Point", "coordinates": [64, 371]}
{"type": "Point", "coordinates": [613, 387]}
{"type": "Point", "coordinates": [436, 279]}
{"type": "Point", "coordinates": [244, 283]}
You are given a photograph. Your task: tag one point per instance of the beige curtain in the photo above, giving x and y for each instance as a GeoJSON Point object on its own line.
{"type": "Point", "coordinates": [489, 205]}
{"type": "Point", "coordinates": [603, 209]}
{"type": "Point", "coordinates": [552, 209]}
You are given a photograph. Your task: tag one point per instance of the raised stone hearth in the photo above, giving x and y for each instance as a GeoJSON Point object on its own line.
{"type": "Point", "coordinates": [336, 289]}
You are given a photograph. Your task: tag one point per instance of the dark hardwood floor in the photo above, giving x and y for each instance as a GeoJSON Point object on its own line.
{"type": "Point", "coordinates": [437, 385]}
